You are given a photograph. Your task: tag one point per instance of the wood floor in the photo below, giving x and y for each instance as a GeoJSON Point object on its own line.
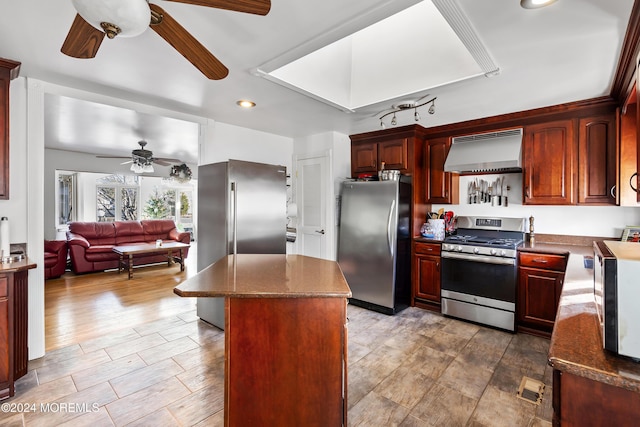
{"type": "Point", "coordinates": [131, 353]}
{"type": "Point", "coordinates": [82, 307]}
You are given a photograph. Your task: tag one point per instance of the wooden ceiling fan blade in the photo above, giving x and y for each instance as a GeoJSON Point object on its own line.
{"type": "Point", "coordinates": [257, 7]}
{"type": "Point", "coordinates": [83, 40]}
{"type": "Point", "coordinates": [182, 41]}
{"type": "Point", "coordinates": [161, 162]}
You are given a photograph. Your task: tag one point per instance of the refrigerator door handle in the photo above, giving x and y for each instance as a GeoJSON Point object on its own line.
{"type": "Point", "coordinates": [390, 238]}
{"type": "Point", "coordinates": [234, 191]}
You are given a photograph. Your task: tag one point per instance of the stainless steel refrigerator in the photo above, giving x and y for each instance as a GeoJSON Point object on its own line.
{"type": "Point", "coordinates": [374, 243]}
{"type": "Point", "coordinates": [241, 209]}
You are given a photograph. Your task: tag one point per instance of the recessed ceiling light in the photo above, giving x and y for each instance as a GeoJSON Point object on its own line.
{"type": "Point", "coordinates": [534, 4]}
{"type": "Point", "coordinates": [246, 104]}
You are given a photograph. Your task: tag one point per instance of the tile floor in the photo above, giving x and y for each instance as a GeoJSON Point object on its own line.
{"type": "Point", "coordinates": [414, 369]}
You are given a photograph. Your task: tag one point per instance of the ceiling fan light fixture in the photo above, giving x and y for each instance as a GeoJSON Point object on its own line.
{"type": "Point", "coordinates": [136, 168]}
{"type": "Point", "coordinates": [535, 4]}
{"type": "Point", "coordinates": [131, 17]}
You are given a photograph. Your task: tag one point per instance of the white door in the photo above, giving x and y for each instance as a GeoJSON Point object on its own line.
{"type": "Point", "coordinates": [312, 197]}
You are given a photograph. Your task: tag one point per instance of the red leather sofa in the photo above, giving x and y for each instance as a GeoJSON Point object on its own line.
{"type": "Point", "coordinates": [91, 243]}
{"type": "Point", "coordinates": [55, 258]}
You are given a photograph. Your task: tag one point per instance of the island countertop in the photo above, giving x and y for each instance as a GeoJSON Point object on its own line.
{"type": "Point", "coordinates": [267, 276]}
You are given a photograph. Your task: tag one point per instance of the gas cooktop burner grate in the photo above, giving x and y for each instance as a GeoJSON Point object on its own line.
{"type": "Point", "coordinates": [505, 242]}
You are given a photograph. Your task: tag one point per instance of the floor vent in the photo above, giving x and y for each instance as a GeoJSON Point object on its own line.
{"type": "Point", "coordinates": [531, 390]}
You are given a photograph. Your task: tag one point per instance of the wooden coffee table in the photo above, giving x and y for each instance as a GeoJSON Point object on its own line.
{"type": "Point", "coordinates": [127, 253]}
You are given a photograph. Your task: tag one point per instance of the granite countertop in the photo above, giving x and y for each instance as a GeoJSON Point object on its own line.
{"type": "Point", "coordinates": [421, 239]}
{"type": "Point", "coordinates": [576, 343]}
{"type": "Point", "coordinates": [15, 266]}
{"type": "Point", "coordinates": [267, 276]}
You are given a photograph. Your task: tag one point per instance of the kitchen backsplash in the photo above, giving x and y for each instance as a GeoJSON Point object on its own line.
{"type": "Point", "coordinates": [602, 221]}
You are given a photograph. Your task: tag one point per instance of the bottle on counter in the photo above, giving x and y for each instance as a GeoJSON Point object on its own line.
{"type": "Point", "coordinates": [532, 238]}
{"type": "Point", "coordinates": [4, 238]}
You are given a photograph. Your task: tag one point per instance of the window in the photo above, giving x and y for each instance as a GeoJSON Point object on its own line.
{"type": "Point", "coordinates": [117, 198]}
{"type": "Point", "coordinates": [66, 197]}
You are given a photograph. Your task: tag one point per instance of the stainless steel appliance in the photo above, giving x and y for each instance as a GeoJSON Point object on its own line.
{"type": "Point", "coordinates": [616, 271]}
{"type": "Point", "coordinates": [479, 270]}
{"type": "Point", "coordinates": [241, 209]}
{"type": "Point", "coordinates": [374, 244]}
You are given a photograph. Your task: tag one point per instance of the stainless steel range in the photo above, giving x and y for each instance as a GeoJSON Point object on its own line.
{"type": "Point", "coordinates": [479, 270]}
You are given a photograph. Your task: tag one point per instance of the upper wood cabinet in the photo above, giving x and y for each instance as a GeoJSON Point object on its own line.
{"type": "Point", "coordinates": [394, 154]}
{"type": "Point", "coordinates": [549, 159]}
{"type": "Point", "coordinates": [369, 156]}
{"type": "Point", "coordinates": [597, 162]}
{"type": "Point", "coordinates": [364, 158]}
{"type": "Point", "coordinates": [441, 187]}
{"type": "Point", "coordinates": [8, 71]}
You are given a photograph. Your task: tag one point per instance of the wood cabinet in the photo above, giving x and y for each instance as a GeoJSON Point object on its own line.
{"type": "Point", "coordinates": [369, 156]}
{"type": "Point", "coordinates": [580, 401]}
{"type": "Point", "coordinates": [539, 286]}
{"type": "Point", "coordinates": [287, 354]}
{"type": "Point", "coordinates": [8, 71]}
{"type": "Point", "coordinates": [597, 151]}
{"type": "Point", "coordinates": [441, 187]}
{"type": "Point", "coordinates": [14, 355]}
{"type": "Point", "coordinates": [564, 167]}
{"type": "Point", "coordinates": [549, 163]}
{"type": "Point", "coordinates": [426, 275]}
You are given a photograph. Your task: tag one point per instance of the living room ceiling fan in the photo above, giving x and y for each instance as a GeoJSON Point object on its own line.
{"type": "Point", "coordinates": [129, 18]}
{"type": "Point", "coordinates": [142, 159]}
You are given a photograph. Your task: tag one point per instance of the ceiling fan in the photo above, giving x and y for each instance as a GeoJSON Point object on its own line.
{"type": "Point", "coordinates": [142, 160]}
{"type": "Point", "coordinates": [129, 18]}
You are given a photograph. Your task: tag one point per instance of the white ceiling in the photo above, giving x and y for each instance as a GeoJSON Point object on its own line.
{"type": "Point", "coordinates": [565, 52]}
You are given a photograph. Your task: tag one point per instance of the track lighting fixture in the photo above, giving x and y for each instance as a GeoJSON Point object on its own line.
{"type": "Point", "coordinates": [408, 105]}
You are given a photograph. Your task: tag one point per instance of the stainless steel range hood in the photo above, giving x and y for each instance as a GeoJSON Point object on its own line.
{"type": "Point", "coordinates": [487, 152]}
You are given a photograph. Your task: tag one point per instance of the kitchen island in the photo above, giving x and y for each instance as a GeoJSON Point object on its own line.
{"type": "Point", "coordinates": [285, 338]}
{"type": "Point", "coordinates": [591, 386]}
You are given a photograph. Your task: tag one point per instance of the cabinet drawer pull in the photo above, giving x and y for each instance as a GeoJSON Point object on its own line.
{"type": "Point", "coordinates": [540, 260]}
{"type": "Point", "coordinates": [613, 192]}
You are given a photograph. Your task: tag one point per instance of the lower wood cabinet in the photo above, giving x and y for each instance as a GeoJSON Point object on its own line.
{"type": "Point", "coordinates": [426, 279]}
{"type": "Point", "coordinates": [580, 401]}
{"type": "Point", "coordinates": [286, 361]}
{"type": "Point", "coordinates": [541, 276]}
{"type": "Point", "coordinates": [14, 354]}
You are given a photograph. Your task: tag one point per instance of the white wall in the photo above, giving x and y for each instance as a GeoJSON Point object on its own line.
{"type": "Point", "coordinates": [223, 142]}
{"type": "Point", "coordinates": [595, 221]}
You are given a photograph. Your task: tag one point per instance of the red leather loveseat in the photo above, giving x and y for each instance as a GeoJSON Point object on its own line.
{"type": "Point", "coordinates": [55, 258]}
{"type": "Point", "coordinates": [91, 243]}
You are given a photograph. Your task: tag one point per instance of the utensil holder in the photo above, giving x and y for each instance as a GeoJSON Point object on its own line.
{"type": "Point", "coordinates": [437, 225]}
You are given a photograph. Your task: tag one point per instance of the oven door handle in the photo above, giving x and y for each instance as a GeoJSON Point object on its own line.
{"type": "Point", "coordinates": [479, 258]}
{"type": "Point", "coordinates": [390, 229]}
